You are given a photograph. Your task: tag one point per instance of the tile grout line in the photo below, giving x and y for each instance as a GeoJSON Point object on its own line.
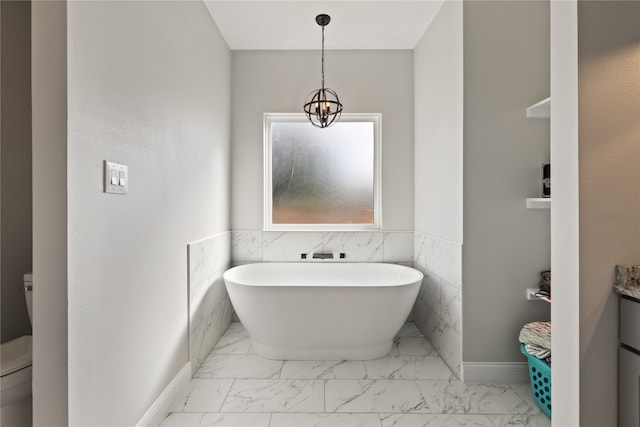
{"type": "Point", "coordinates": [324, 396]}
{"type": "Point", "coordinates": [526, 399]}
{"type": "Point", "coordinates": [491, 421]}
{"type": "Point", "coordinates": [226, 395]}
{"type": "Point", "coordinates": [424, 399]}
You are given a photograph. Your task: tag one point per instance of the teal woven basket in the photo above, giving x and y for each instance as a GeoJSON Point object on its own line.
{"type": "Point", "coordinates": [540, 375]}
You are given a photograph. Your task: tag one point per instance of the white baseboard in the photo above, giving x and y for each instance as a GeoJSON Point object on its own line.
{"type": "Point", "coordinates": [495, 372]}
{"type": "Point", "coordinates": [156, 414]}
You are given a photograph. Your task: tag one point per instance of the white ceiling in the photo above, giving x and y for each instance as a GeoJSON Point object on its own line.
{"type": "Point", "coordinates": [356, 24]}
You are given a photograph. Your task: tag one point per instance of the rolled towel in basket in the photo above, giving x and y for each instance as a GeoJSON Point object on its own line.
{"type": "Point", "coordinates": [537, 333]}
{"type": "Point", "coordinates": [537, 351]}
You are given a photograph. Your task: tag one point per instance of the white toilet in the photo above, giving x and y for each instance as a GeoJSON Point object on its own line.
{"type": "Point", "coordinates": [16, 373]}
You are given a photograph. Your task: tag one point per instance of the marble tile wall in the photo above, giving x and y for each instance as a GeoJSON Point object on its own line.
{"type": "Point", "coordinates": [210, 310]}
{"type": "Point", "coordinates": [438, 309]}
{"type": "Point", "coordinates": [358, 246]}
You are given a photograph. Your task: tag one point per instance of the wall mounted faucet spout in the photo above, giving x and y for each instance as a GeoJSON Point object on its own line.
{"type": "Point", "coordinates": [317, 255]}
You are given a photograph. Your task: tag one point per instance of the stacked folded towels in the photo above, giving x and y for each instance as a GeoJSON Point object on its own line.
{"type": "Point", "coordinates": [536, 337]}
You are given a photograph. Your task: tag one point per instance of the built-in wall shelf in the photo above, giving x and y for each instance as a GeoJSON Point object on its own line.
{"type": "Point", "coordinates": [540, 110]}
{"type": "Point", "coordinates": [539, 203]}
{"type": "Point", "coordinates": [532, 295]}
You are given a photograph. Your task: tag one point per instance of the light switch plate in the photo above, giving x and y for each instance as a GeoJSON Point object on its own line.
{"type": "Point", "coordinates": [109, 169]}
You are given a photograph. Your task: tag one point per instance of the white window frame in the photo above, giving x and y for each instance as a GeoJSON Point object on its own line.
{"type": "Point", "coordinates": [376, 119]}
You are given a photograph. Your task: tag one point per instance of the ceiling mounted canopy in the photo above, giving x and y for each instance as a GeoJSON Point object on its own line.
{"type": "Point", "coordinates": [323, 106]}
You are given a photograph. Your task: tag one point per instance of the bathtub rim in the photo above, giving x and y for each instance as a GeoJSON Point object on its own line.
{"type": "Point", "coordinates": [419, 276]}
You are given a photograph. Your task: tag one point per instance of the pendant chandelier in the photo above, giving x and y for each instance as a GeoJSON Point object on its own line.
{"type": "Point", "coordinates": [322, 106]}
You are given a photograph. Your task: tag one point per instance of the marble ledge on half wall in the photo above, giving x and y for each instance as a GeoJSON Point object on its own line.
{"type": "Point", "coordinates": [627, 280]}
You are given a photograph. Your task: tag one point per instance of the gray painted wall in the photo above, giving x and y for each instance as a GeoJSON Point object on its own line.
{"type": "Point", "coordinates": [438, 62]}
{"type": "Point", "coordinates": [16, 165]}
{"type": "Point", "coordinates": [438, 73]}
{"type": "Point", "coordinates": [153, 95]}
{"type": "Point", "coordinates": [506, 68]}
{"type": "Point", "coordinates": [279, 81]}
{"type": "Point", "coordinates": [609, 154]}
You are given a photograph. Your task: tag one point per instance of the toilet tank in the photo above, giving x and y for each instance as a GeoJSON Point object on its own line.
{"type": "Point", "coordinates": [28, 294]}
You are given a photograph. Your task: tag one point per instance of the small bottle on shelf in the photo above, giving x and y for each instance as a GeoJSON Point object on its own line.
{"type": "Point", "coordinates": [546, 180]}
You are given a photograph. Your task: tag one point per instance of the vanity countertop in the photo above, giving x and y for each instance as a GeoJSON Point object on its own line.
{"type": "Point", "coordinates": [628, 280]}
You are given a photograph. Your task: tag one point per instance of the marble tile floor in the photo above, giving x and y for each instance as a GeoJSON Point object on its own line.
{"type": "Point", "coordinates": [410, 387]}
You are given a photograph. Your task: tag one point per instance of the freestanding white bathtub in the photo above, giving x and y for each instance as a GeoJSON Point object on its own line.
{"type": "Point", "coordinates": [322, 310]}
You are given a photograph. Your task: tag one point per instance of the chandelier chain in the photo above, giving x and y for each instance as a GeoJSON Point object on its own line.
{"type": "Point", "coordinates": [323, 57]}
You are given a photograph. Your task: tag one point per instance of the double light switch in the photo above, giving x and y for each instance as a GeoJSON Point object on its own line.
{"type": "Point", "coordinates": [116, 178]}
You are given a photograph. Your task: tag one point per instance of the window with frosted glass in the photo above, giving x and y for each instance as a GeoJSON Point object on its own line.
{"type": "Point", "coordinates": [324, 177]}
